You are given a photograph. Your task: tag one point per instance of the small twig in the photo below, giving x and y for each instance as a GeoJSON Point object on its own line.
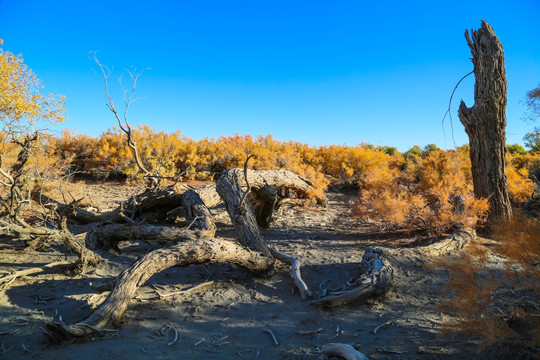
{"type": "Point", "coordinates": [25, 348]}
{"type": "Point", "coordinates": [247, 182]}
{"type": "Point", "coordinates": [175, 338]}
{"type": "Point", "coordinates": [185, 291]}
{"type": "Point", "coordinates": [448, 112]}
{"type": "Point", "coordinates": [312, 332]}
{"type": "Point", "coordinates": [269, 331]}
{"type": "Point", "coordinates": [198, 342]}
{"type": "Point", "coordinates": [384, 324]}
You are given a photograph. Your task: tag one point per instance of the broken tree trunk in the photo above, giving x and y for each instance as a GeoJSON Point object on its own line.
{"type": "Point", "coordinates": [197, 251]}
{"type": "Point", "coordinates": [198, 217]}
{"type": "Point", "coordinates": [229, 187]}
{"type": "Point", "coordinates": [375, 280]}
{"type": "Point", "coordinates": [253, 254]}
{"type": "Point", "coordinates": [485, 122]}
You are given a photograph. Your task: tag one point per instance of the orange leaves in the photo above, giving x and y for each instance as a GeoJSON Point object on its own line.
{"type": "Point", "coordinates": [431, 194]}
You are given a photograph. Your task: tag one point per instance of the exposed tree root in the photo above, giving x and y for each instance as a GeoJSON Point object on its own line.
{"type": "Point", "coordinates": [375, 280]}
{"type": "Point", "coordinates": [197, 251]}
{"type": "Point", "coordinates": [28, 232]}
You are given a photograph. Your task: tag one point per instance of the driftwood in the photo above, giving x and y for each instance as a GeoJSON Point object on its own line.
{"type": "Point", "coordinates": [375, 280]}
{"type": "Point", "coordinates": [344, 351]}
{"type": "Point", "coordinates": [197, 215]}
{"type": "Point", "coordinates": [6, 280]}
{"type": "Point", "coordinates": [197, 251]}
{"type": "Point", "coordinates": [451, 244]}
{"type": "Point", "coordinates": [235, 188]}
{"type": "Point", "coordinates": [28, 232]}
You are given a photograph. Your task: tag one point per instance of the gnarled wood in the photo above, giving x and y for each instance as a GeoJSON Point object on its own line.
{"type": "Point", "coordinates": [197, 251]}
{"type": "Point", "coordinates": [375, 280]}
{"type": "Point", "coordinates": [449, 245]}
{"type": "Point", "coordinates": [106, 236]}
{"type": "Point", "coordinates": [295, 270]}
{"type": "Point", "coordinates": [241, 212]}
{"type": "Point", "coordinates": [485, 122]}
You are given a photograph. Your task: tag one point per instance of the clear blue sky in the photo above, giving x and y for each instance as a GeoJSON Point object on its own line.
{"type": "Point", "coordinates": [321, 72]}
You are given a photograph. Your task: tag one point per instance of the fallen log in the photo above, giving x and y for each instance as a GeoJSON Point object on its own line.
{"type": "Point", "coordinates": [375, 279]}
{"type": "Point", "coordinates": [201, 224]}
{"type": "Point", "coordinates": [449, 245]}
{"type": "Point", "coordinates": [252, 253]}
{"type": "Point", "coordinates": [197, 251]}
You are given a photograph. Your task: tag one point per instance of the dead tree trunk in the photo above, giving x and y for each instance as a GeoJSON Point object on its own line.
{"type": "Point", "coordinates": [181, 254]}
{"type": "Point", "coordinates": [485, 122]}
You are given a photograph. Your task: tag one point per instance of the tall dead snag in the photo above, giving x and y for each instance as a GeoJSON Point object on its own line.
{"type": "Point", "coordinates": [485, 122]}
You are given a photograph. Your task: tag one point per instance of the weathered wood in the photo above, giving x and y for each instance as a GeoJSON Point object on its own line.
{"type": "Point", "coordinates": [485, 122]}
{"type": "Point", "coordinates": [198, 251]}
{"type": "Point", "coordinates": [449, 245]}
{"type": "Point", "coordinates": [375, 280]}
{"type": "Point", "coordinates": [241, 212]}
{"type": "Point", "coordinates": [344, 351]}
{"type": "Point", "coordinates": [107, 236]}
{"type": "Point", "coordinates": [200, 221]}
{"type": "Point", "coordinates": [197, 214]}
{"type": "Point", "coordinates": [295, 270]}
{"type": "Point", "coordinates": [28, 232]}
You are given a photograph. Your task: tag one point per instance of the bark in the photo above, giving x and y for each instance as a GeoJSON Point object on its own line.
{"type": "Point", "coordinates": [197, 215]}
{"type": "Point", "coordinates": [198, 251]}
{"type": "Point", "coordinates": [449, 245]}
{"type": "Point", "coordinates": [253, 252]}
{"type": "Point", "coordinates": [107, 236]}
{"type": "Point", "coordinates": [485, 122]}
{"type": "Point", "coordinates": [375, 280]}
{"type": "Point", "coordinates": [240, 211]}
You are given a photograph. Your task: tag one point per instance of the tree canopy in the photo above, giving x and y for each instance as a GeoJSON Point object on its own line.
{"type": "Point", "coordinates": [22, 106]}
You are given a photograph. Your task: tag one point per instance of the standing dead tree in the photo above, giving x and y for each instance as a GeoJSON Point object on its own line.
{"type": "Point", "coordinates": [151, 180]}
{"type": "Point", "coordinates": [485, 121]}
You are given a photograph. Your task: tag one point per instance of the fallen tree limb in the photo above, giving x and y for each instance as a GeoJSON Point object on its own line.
{"type": "Point", "coordinates": [201, 224]}
{"type": "Point", "coordinates": [7, 280]}
{"type": "Point", "coordinates": [107, 236]}
{"type": "Point", "coordinates": [295, 269]}
{"type": "Point", "coordinates": [448, 245]}
{"type": "Point", "coordinates": [344, 351]}
{"type": "Point", "coordinates": [375, 280]}
{"type": "Point", "coordinates": [197, 251]}
{"type": "Point", "coordinates": [241, 213]}
{"type": "Point", "coordinates": [28, 232]}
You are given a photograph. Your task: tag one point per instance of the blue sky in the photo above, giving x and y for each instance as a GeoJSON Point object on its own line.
{"type": "Point", "coordinates": [320, 72]}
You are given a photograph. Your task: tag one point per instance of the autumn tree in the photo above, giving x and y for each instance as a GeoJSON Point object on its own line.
{"type": "Point", "coordinates": [22, 106]}
{"type": "Point", "coordinates": [24, 111]}
{"type": "Point", "coordinates": [485, 121]}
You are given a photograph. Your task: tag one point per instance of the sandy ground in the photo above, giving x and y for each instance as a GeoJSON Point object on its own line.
{"type": "Point", "coordinates": [227, 319]}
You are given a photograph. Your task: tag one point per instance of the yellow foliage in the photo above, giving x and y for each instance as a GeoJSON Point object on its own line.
{"type": "Point", "coordinates": [436, 198]}
{"type": "Point", "coordinates": [21, 103]}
